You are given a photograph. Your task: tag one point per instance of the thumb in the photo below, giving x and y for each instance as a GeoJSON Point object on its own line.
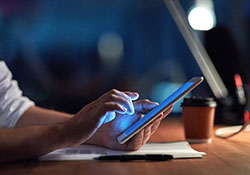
{"type": "Point", "coordinates": [131, 97]}
{"type": "Point", "coordinates": [109, 116]}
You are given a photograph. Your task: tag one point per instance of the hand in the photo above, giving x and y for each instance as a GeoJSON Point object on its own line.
{"type": "Point", "coordinates": [86, 122]}
{"type": "Point", "coordinates": [107, 135]}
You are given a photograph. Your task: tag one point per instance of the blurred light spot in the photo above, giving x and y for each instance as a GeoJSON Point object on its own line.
{"type": "Point", "coordinates": [201, 18]}
{"type": "Point", "coordinates": [164, 89]}
{"type": "Point", "coordinates": [110, 47]}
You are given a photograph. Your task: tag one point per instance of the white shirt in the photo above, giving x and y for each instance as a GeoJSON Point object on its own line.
{"type": "Point", "coordinates": [12, 103]}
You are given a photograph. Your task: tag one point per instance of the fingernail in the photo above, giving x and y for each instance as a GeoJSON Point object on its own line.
{"type": "Point", "coordinates": [135, 97]}
{"type": "Point", "coordinates": [124, 109]}
{"type": "Point", "coordinates": [155, 103]}
{"type": "Point", "coordinates": [136, 93]}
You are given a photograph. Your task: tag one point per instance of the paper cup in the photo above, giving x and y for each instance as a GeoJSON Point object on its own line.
{"type": "Point", "coordinates": [198, 116]}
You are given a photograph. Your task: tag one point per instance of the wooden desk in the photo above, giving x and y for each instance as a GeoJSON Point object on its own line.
{"type": "Point", "coordinates": [229, 157]}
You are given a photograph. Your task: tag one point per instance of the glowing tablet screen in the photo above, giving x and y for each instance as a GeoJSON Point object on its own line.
{"type": "Point", "coordinates": [140, 124]}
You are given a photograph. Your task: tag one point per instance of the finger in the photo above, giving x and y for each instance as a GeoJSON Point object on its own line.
{"type": "Point", "coordinates": [113, 107]}
{"type": "Point", "coordinates": [166, 113]}
{"type": "Point", "coordinates": [132, 95]}
{"type": "Point", "coordinates": [157, 121]}
{"type": "Point", "coordinates": [155, 125]}
{"type": "Point", "coordinates": [123, 102]}
{"type": "Point", "coordinates": [126, 94]}
{"type": "Point", "coordinates": [139, 139]}
{"type": "Point", "coordinates": [144, 105]}
{"type": "Point", "coordinates": [147, 133]}
{"type": "Point", "coordinates": [129, 96]}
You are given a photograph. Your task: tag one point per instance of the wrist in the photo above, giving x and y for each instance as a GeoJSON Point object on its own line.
{"type": "Point", "coordinates": [98, 138]}
{"type": "Point", "coordinates": [69, 133]}
{"type": "Point", "coordinates": [94, 140]}
{"type": "Point", "coordinates": [76, 132]}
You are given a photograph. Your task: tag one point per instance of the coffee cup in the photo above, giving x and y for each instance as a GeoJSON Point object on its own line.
{"type": "Point", "coordinates": [198, 116]}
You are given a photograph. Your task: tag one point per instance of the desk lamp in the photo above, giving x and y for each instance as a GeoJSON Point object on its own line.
{"type": "Point", "coordinates": [204, 62]}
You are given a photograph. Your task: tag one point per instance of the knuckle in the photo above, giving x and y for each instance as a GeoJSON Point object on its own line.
{"type": "Point", "coordinates": [113, 91]}
{"type": "Point", "coordinates": [105, 106]}
{"type": "Point", "coordinates": [112, 97]}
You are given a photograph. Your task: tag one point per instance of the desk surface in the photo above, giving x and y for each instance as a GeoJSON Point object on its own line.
{"type": "Point", "coordinates": [229, 157]}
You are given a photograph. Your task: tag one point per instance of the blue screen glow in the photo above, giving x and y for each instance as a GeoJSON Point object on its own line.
{"type": "Point", "coordinates": [166, 103]}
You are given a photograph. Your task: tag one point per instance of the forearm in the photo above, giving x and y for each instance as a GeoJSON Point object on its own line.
{"type": "Point", "coordinates": [36, 116]}
{"type": "Point", "coordinates": [31, 142]}
{"type": "Point", "coordinates": [52, 130]}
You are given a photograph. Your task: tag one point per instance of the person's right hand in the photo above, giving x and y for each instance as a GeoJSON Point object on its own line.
{"type": "Point", "coordinates": [86, 122]}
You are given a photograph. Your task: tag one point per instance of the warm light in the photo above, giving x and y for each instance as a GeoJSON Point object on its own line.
{"type": "Point", "coordinates": [201, 18]}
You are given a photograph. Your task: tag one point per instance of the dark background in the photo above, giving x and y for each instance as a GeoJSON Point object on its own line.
{"type": "Point", "coordinates": [52, 48]}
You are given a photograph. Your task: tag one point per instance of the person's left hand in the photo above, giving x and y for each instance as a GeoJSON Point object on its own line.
{"type": "Point", "coordinates": [107, 135]}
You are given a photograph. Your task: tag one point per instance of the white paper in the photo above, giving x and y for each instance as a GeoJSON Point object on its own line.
{"type": "Point", "coordinates": [89, 152]}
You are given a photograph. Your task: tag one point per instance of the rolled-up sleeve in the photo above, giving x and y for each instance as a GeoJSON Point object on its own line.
{"type": "Point", "coordinates": [12, 102]}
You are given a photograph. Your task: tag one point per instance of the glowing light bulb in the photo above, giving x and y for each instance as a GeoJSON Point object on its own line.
{"type": "Point", "coordinates": [201, 18]}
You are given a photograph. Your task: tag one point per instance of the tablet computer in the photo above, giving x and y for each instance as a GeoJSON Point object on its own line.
{"type": "Point", "coordinates": [150, 116]}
